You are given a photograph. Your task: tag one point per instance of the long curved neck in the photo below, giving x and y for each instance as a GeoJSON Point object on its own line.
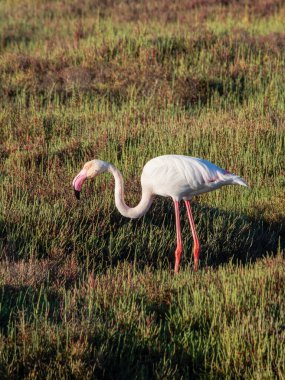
{"type": "Point", "coordinates": [129, 212]}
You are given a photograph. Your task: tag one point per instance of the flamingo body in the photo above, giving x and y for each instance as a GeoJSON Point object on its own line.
{"type": "Point", "coordinates": [182, 177]}
{"type": "Point", "coordinates": [175, 176]}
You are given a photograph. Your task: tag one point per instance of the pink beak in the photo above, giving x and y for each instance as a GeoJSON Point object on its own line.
{"type": "Point", "coordinates": [78, 182]}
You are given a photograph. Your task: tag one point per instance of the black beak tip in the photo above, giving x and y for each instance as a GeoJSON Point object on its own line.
{"type": "Point", "coordinates": [77, 194]}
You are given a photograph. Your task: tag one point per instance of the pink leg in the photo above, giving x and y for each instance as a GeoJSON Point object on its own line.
{"type": "Point", "coordinates": [195, 236]}
{"type": "Point", "coordinates": [179, 240]}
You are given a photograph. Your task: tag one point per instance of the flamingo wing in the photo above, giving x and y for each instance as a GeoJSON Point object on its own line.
{"type": "Point", "coordinates": [182, 177]}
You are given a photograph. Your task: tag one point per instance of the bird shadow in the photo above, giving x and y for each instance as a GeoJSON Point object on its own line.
{"type": "Point", "coordinates": [225, 236]}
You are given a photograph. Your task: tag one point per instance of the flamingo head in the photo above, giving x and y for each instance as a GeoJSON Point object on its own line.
{"type": "Point", "coordinates": [90, 170]}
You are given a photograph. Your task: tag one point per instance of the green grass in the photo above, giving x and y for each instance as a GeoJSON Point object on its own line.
{"type": "Point", "coordinates": [86, 293]}
{"type": "Point", "coordinates": [140, 323]}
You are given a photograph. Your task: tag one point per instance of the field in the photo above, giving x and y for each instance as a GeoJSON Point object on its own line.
{"type": "Point", "coordinates": [86, 293]}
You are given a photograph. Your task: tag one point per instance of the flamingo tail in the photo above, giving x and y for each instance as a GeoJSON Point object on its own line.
{"type": "Point", "coordinates": [239, 181]}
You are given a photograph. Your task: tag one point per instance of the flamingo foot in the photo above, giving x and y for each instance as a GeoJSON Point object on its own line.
{"type": "Point", "coordinates": [177, 258]}
{"type": "Point", "coordinates": [196, 257]}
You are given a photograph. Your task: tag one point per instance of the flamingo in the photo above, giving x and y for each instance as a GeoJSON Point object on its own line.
{"type": "Point", "coordinates": [176, 176]}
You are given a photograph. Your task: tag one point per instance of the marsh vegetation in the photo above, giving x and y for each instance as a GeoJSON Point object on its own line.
{"type": "Point", "coordinates": [86, 293]}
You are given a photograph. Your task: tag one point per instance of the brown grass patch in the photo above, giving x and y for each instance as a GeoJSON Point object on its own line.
{"type": "Point", "coordinates": [34, 272]}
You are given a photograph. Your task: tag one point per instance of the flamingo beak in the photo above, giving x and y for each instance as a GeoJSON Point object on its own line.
{"type": "Point", "coordinates": [78, 182]}
{"type": "Point", "coordinates": [77, 194]}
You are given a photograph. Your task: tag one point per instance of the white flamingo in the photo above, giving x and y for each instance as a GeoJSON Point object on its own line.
{"type": "Point", "coordinates": [175, 176]}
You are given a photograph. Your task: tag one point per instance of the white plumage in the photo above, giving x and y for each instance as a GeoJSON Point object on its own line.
{"type": "Point", "coordinates": [175, 176]}
{"type": "Point", "coordinates": [182, 177]}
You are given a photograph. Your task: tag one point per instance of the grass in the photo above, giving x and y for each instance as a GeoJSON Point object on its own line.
{"type": "Point", "coordinates": [129, 322]}
{"type": "Point", "coordinates": [86, 293]}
